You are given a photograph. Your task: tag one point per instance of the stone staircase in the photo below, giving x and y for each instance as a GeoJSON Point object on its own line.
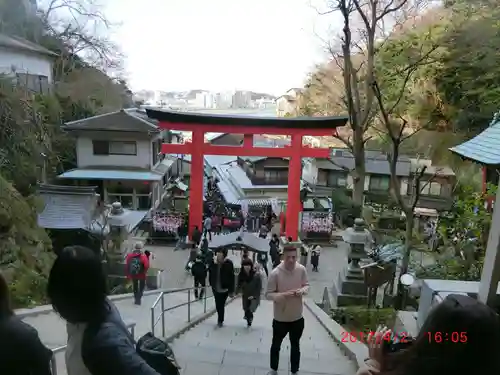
{"type": "Point", "coordinates": [201, 347]}
{"type": "Point", "coordinates": [236, 349]}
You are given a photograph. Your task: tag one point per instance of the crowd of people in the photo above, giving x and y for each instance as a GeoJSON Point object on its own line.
{"type": "Point", "coordinates": [100, 344]}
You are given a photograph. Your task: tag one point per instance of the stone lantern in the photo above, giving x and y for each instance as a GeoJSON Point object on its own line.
{"type": "Point", "coordinates": [118, 227]}
{"type": "Point", "coordinates": [350, 288]}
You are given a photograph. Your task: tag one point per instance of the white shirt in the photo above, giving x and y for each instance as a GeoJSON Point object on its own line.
{"type": "Point", "coordinates": [73, 354]}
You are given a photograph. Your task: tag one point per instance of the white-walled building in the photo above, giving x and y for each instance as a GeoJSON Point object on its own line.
{"type": "Point", "coordinates": [28, 63]}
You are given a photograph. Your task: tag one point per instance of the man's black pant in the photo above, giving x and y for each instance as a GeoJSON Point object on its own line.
{"type": "Point", "coordinates": [264, 266]}
{"type": "Point", "coordinates": [247, 309]}
{"type": "Point", "coordinates": [207, 232]}
{"type": "Point", "coordinates": [280, 330]}
{"type": "Point", "coordinates": [220, 305]}
{"type": "Point", "coordinates": [138, 286]}
{"type": "Point", "coordinates": [199, 288]}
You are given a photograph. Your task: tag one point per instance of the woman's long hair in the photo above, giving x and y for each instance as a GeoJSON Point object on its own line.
{"type": "Point", "coordinates": [5, 306]}
{"type": "Point", "coordinates": [77, 286]}
{"type": "Point", "coordinates": [460, 336]}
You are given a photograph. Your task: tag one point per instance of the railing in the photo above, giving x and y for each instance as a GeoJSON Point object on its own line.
{"type": "Point", "coordinates": [161, 301]}
{"type": "Point", "coordinates": [53, 360]}
{"type": "Point", "coordinates": [269, 181]}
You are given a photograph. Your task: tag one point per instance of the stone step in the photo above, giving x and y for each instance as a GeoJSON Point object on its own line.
{"type": "Point", "coordinates": [238, 349]}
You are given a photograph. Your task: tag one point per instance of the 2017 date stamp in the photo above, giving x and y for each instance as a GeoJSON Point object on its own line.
{"type": "Point", "coordinates": [404, 337]}
{"type": "Point", "coordinates": [365, 337]}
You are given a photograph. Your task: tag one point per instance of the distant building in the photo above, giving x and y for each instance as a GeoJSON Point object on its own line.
{"type": "Point", "coordinates": [287, 104]}
{"type": "Point", "coordinates": [28, 63]}
{"type": "Point", "coordinates": [242, 99]}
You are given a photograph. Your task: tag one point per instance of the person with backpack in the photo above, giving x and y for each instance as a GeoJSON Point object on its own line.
{"type": "Point", "coordinates": [136, 268]}
{"type": "Point", "coordinates": [263, 232]}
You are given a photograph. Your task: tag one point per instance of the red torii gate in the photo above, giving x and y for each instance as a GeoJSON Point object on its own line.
{"type": "Point", "coordinates": [199, 124]}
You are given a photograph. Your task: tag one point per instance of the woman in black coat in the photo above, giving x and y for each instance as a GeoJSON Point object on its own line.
{"type": "Point", "coordinates": [250, 286]}
{"type": "Point", "coordinates": [21, 351]}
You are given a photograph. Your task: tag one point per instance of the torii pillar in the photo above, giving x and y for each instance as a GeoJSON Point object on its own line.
{"type": "Point", "coordinates": [198, 124]}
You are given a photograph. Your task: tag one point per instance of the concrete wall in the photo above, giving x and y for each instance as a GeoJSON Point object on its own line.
{"type": "Point", "coordinates": [25, 62]}
{"type": "Point", "coordinates": [86, 158]}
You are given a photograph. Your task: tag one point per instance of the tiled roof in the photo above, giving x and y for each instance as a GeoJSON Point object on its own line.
{"type": "Point", "coordinates": [249, 240]}
{"type": "Point", "coordinates": [66, 207]}
{"type": "Point", "coordinates": [14, 42]}
{"type": "Point", "coordinates": [376, 162]}
{"type": "Point", "coordinates": [125, 120]}
{"type": "Point", "coordinates": [483, 148]}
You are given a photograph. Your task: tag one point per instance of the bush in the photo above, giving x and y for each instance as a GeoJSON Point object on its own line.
{"type": "Point", "coordinates": [363, 319]}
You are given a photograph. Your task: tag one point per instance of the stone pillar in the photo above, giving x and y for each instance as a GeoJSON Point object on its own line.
{"type": "Point", "coordinates": [350, 288]}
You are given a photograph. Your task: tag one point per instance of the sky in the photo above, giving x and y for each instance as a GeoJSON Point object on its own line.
{"type": "Point", "coordinates": [258, 45]}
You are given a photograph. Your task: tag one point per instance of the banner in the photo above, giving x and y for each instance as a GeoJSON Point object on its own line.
{"type": "Point", "coordinates": [275, 206]}
{"type": "Point", "coordinates": [318, 222]}
{"type": "Point", "coordinates": [166, 223]}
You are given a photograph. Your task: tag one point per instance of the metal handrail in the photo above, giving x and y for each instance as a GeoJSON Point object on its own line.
{"type": "Point", "coordinates": [161, 300]}
{"type": "Point", "coordinates": [53, 360]}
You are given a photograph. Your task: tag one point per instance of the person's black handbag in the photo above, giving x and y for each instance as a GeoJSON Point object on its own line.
{"type": "Point", "coordinates": [158, 354]}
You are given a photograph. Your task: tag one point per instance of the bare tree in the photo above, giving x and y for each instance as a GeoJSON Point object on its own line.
{"type": "Point", "coordinates": [366, 23]}
{"type": "Point", "coordinates": [81, 29]}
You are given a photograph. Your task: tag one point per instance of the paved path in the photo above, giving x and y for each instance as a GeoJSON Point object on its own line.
{"type": "Point", "coordinates": [235, 349]}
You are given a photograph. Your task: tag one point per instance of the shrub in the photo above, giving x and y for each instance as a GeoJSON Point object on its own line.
{"type": "Point", "coordinates": [363, 319]}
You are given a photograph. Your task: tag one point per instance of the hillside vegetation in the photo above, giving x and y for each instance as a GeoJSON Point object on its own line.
{"type": "Point", "coordinates": [30, 126]}
{"type": "Point", "coordinates": [450, 97]}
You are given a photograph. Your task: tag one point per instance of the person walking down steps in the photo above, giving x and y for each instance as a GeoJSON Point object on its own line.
{"type": "Point", "coordinates": [199, 272]}
{"type": "Point", "coordinates": [250, 286]}
{"type": "Point", "coordinates": [221, 278]}
{"type": "Point", "coordinates": [286, 286]}
{"type": "Point", "coordinates": [136, 269]}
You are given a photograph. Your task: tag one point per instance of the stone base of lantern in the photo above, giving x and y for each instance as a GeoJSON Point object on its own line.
{"type": "Point", "coordinates": [350, 289]}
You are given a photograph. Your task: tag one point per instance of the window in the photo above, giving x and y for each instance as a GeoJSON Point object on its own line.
{"type": "Point", "coordinates": [336, 179]}
{"type": "Point", "coordinates": [114, 147]}
{"type": "Point", "coordinates": [36, 83]}
{"type": "Point", "coordinates": [123, 148]}
{"type": "Point", "coordinates": [379, 183]}
{"type": "Point", "coordinates": [127, 201]}
{"type": "Point", "coordinates": [100, 147]}
{"type": "Point", "coordinates": [274, 174]}
{"type": "Point", "coordinates": [430, 188]}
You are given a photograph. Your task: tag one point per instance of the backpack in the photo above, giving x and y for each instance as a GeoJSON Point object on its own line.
{"type": "Point", "coordinates": [262, 258]}
{"type": "Point", "coordinates": [155, 352]}
{"type": "Point", "coordinates": [135, 266]}
{"type": "Point", "coordinates": [158, 355]}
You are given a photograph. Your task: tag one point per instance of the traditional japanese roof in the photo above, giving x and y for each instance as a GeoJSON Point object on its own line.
{"type": "Point", "coordinates": [14, 42]}
{"type": "Point", "coordinates": [376, 162]}
{"type": "Point", "coordinates": [111, 174]}
{"type": "Point", "coordinates": [484, 148]}
{"type": "Point", "coordinates": [66, 207]}
{"type": "Point", "coordinates": [125, 120]}
{"type": "Point", "coordinates": [240, 241]}
{"type": "Point", "coordinates": [330, 122]}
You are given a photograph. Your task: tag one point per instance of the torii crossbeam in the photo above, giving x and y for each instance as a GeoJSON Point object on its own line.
{"type": "Point", "coordinates": [199, 124]}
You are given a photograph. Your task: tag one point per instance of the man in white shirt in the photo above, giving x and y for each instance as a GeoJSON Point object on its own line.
{"type": "Point", "coordinates": [207, 228]}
